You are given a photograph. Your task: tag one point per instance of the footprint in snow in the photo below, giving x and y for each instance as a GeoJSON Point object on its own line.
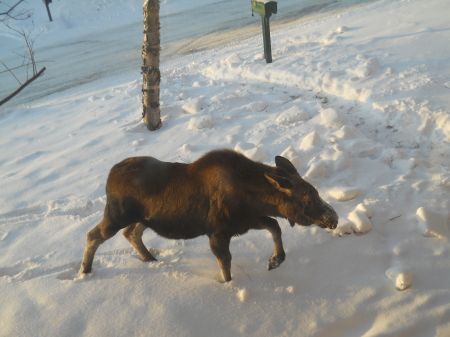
{"type": "Point", "coordinates": [30, 269]}
{"type": "Point", "coordinates": [69, 206]}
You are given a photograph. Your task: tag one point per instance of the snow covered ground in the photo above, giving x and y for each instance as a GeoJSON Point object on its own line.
{"type": "Point", "coordinates": [359, 102]}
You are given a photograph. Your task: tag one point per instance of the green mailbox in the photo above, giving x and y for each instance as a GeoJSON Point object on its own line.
{"type": "Point", "coordinates": [265, 9]}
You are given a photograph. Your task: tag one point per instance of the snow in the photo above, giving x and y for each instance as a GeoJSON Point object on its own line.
{"type": "Point", "coordinates": [401, 277]}
{"type": "Point", "coordinates": [374, 143]}
{"type": "Point", "coordinates": [310, 141]}
{"type": "Point", "coordinates": [361, 223]}
{"type": "Point", "coordinates": [293, 114]}
{"type": "Point", "coordinates": [343, 193]}
{"type": "Point", "coordinates": [330, 118]}
{"type": "Point", "coordinates": [193, 106]}
{"type": "Point", "coordinates": [431, 223]}
{"type": "Point", "coordinates": [250, 150]}
{"type": "Point", "coordinates": [243, 295]}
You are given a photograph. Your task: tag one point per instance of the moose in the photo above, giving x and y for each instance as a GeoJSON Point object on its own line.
{"type": "Point", "coordinates": [221, 195]}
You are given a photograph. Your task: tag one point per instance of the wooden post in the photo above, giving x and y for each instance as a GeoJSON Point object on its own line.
{"type": "Point", "coordinates": [150, 66]}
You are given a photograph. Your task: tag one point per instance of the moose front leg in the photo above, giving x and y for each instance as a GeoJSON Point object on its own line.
{"type": "Point", "coordinates": [273, 227]}
{"type": "Point", "coordinates": [220, 246]}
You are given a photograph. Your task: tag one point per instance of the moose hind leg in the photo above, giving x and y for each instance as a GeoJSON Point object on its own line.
{"type": "Point", "coordinates": [94, 238]}
{"type": "Point", "coordinates": [133, 234]}
{"type": "Point", "coordinates": [220, 246]}
{"type": "Point", "coordinates": [274, 228]}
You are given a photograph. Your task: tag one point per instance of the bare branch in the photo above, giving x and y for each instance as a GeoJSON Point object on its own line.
{"type": "Point", "coordinates": [11, 8]}
{"type": "Point", "coordinates": [8, 14]}
{"type": "Point", "coordinates": [11, 72]}
{"type": "Point", "coordinates": [29, 42]}
{"type": "Point", "coordinates": [24, 57]}
{"type": "Point", "coordinates": [28, 59]}
{"type": "Point", "coordinates": [22, 86]}
{"type": "Point", "coordinates": [24, 65]}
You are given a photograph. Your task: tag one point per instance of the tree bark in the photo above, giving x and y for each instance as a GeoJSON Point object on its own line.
{"type": "Point", "coordinates": [150, 66]}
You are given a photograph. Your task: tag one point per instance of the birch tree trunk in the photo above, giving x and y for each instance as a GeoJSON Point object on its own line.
{"type": "Point", "coordinates": [150, 66]}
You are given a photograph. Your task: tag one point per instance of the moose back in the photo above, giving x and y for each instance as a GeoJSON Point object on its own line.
{"type": "Point", "coordinates": [221, 195]}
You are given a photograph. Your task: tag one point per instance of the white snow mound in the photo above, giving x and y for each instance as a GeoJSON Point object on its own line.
{"type": "Point", "coordinates": [316, 170]}
{"type": "Point", "coordinates": [432, 224]}
{"type": "Point", "coordinates": [311, 140]}
{"type": "Point", "coordinates": [360, 222]}
{"type": "Point", "coordinates": [250, 151]}
{"type": "Point", "coordinates": [343, 193]}
{"type": "Point", "coordinates": [193, 106]}
{"type": "Point", "coordinates": [201, 122]}
{"type": "Point", "coordinates": [401, 277]}
{"type": "Point", "coordinates": [342, 29]}
{"type": "Point", "coordinates": [289, 153]}
{"type": "Point", "coordinates": [365, 209]}
{"type": "Point", "coordinates": [243, 295]}
{"type": "Point", "coordinates": [293, 114]}
{"type": "Point", "coordinates": [187, 148]}
{"type": "Point", "coordinates": [331, 118]}
{"type": "Point", "coordinates": [256, 106]}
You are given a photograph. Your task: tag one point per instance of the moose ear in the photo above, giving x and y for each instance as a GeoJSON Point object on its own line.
{"type": "Point", "coordinates": [282, 184]}
{"type": "Point", "coordinates": [284, 163]}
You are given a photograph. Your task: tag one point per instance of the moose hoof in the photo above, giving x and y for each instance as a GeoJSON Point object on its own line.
{"type": "Point", "coordinates": [83, 272]}
{"type": "Point", "coordinates": [275, 261]}
{"type": "Point", "coordinates": [221, 280]}
{"type": "Point", "coordinates": [149, 259]}
{"type": "Point", "coordinates": [227, 278]}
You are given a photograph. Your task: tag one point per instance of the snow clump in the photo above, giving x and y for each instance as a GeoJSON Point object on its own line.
{"type": "Point", "coordinates": [432, 224]}
{"type": "Point", "coordinates": [401, 277]}
{"type": "Point", "coordinates": [293, 114]}
{"type": "Point", "coordinates": [201, 122]}
{"type": "Point", "coordinates": [342, 29]}
{"type": "Point", "coordinates": [193, 106]}
{"type": "Point", "coordinates": [361, 223]}
{"type": "Point", "coordinates": [289, 153]}
{"type": "Point", "coordinates": [311, 140]}
{"type": "Point", "coordinates": [250, 151]}
{"type": "Point", "coordinates": [343, 193]}
{"type": "Point", "coordinates": [330, 118]}
{"type": "Point", "coordinates": [256, 106]}
{"type": "Point", "coordinates": [243, 295]}
{"type": "Point", "coordinates": [187, 148]}
{"type": "Point", "coordinates": [370, 67]}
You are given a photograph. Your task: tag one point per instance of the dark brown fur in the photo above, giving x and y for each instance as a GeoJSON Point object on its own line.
{"type": "Point", "coordinates": [222, 194]}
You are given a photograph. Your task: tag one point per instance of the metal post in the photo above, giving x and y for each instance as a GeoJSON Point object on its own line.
{"type": "Point", "coordinates": [48, 10]}
{"type": "Point", "coordinates": [266, 38]}
{"type": "Point", "coordinates": [265, 9]}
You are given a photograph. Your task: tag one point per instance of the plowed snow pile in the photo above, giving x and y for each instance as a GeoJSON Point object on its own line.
{"type": "Point", "coordinates": [358, 102]}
